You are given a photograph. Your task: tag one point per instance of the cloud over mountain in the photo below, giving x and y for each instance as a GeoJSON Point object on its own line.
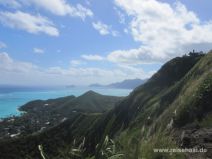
{"type": "Point", "coordinates": [22, 71]}
{"type": "Point", "coordinates": [163, 30]}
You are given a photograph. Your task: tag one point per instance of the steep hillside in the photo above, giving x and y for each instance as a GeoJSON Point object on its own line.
{"type": "Point", "coordinates": [160, 114]}
{"type": "Point", "coordinates": [89, 102]}
{"type": "Point", "coordinates": [173, 109]}
{"type": "Point", "coordinates": [56, 141]}
{"type": "Point", "coordinates": [42, 105]}
{"type": "Point", "coordinates": [141, 110]}
{"type": "Point", "coordinates": [41, 115]}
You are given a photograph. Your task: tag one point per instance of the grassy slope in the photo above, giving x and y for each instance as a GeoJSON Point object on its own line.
{"type": "Point", "coordinates": [137, 115]}
{"type": "Point", "coordinates": [89, 107]}
{"type": "Point", "coordinates": [54, 139]}
{"type": "Point", "coordinates": [185, 101]}
{"type": "Point", "coordinates": [139, 123]}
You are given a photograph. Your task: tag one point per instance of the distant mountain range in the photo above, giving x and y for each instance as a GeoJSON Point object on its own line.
{"type": "Point", "coordinates": [172, 110]}
{"type": "Point", "coordinates": [126, 84]}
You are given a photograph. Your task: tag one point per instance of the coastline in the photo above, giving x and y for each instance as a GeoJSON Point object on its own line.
{"type": "Point", "coordinates": [11, 102]}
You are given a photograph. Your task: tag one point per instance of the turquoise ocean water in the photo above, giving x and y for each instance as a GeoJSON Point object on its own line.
{"type": "Point", "coordinates": [12, 98]}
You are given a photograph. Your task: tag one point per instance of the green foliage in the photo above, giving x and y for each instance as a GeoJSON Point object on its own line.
{"type": "Point", "coordinates": [159, 141]}
{"type": "Point", "coordinates": [90, 102]}
{"type": "Point", "coordinates": [130, 142]}
{"type": "Point", "coordinates": [180, 91]}
{"type": "Point", "coordinates": [73, 151]}
{"type": "Point", "coordinates": [207, 121]}
{"type": "Point", "coordinates": [195, 107]}
{"type": "Point", "coordinates": [108, 150]}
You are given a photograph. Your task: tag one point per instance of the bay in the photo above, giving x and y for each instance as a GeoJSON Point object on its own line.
{"type": "Point", "coordinates": [11, 98]}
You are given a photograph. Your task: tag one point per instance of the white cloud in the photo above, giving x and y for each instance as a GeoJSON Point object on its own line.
{"type": "Point", "coordinates": [7, 64]}
{"type": "Point", "coordinates": [27, 73]}
{"type": "Point", "coordinates": [61, 8]}
{"type": "Point", "coordinates": [90, 75]}
{"type": "Point", "coordinates": [134, 56]}
{"type": "Point", "coordinates": [101, 27]}
{"type": "Point", "coordinates": [92, 57]}
{"type": "Point", "coordinates": [75, 63]}
{"type": "Point", "coordinates": [10, 3]}
{"type": "Point", "coordinates": [27, 22]}
{"type": "Point", "coordinates": [38, 50]}
{"type": "Point", "coordinates": [104, 29]}
{"type": "Point", "coordinates": [2, 45]}
{"type": "Point", "coordinates": [164, 31]}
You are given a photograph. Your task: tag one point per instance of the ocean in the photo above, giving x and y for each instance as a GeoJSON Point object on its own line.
{"type": "Point", "coordinates": [11, 98]}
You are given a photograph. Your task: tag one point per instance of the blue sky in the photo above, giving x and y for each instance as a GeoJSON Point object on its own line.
{"type": "Point", "coordinates": [61, 42]}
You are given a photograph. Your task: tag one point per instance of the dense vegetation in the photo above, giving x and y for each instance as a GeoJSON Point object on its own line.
{"type": "Point", "coordinates": [173, 109]}
{"type": "Point", "coordinates": [43, 114]}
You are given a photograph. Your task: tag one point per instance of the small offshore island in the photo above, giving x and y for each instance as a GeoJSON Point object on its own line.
{"type": "Point", "coordinates": [105, 79]}
{"type": "Point", "coordinates": [170, 110]}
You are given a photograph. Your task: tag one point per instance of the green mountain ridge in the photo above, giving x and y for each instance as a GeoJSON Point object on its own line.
{"type": "Point", "coordinates": [171, 110]}
{"type": "Point", "coordinates": [90, 102]}
{"type": "Point", "coordinates": [40, 115]}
